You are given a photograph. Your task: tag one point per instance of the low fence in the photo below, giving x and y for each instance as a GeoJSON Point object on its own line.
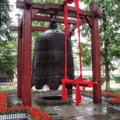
{"type": "Point", "coordinates": [15, 116]}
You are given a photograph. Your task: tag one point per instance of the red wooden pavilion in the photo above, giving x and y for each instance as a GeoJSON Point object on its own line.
{"type": "Point", "coordinates": [25, 30]}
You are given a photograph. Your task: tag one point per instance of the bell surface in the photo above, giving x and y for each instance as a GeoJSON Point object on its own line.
{"type": "Point", "coordinates": [48, 60]}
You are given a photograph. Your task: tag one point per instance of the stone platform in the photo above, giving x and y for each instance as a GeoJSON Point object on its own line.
{"type": "Point", "coordinates": [87, 110]}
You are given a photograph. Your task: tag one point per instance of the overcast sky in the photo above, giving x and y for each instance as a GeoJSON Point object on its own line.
{"type": "Point", "coordinates": [14, 12]}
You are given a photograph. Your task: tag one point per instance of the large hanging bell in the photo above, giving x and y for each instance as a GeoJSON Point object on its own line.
{"type": "Point", "coordinates": [48, 61]}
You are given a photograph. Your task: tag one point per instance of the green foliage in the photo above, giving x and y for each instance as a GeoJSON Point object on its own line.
{"type": "Point", "coordinates": [109, 28]}
{"type": "Point", "coordinates": [115, 91]}
{"type": "Point", "coordinates": [7, 42]}
{"type": "Point", "coordinates": [4, 20]}
{"type": "Point", "coordinates": [86, 48]}
{"type": "Point", "coordinates": [8, 59]}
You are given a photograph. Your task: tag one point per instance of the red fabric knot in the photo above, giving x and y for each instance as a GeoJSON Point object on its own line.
{"type": "Point", "coordinates": [64, 91]}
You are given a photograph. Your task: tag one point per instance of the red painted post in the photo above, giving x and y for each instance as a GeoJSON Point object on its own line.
{"type": "Point", "coordinates": [27, 55]}
{"type": "Point", "coordinates": [69, 91]}
{"type": "Point", "coordinates": [97, 98]}
{"type": "Point", "coordinates": [19, 63]}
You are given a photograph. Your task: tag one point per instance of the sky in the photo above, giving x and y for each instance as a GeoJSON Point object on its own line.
{"type": "Point", "coordinates": [14, 12]}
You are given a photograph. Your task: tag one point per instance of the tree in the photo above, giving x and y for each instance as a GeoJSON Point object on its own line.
{"type": "Point", "coordinates": [7, 42]}
{"type": "Point", "coordinates": [109, 36]}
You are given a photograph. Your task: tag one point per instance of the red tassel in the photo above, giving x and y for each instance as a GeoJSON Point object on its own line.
{"type": "Point", "coordinates": [64, 92]}
{"type": "Point", "coordinates": [78, 95]}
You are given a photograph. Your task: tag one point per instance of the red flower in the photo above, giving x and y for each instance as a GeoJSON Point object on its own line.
{"type": "Point", "coordinates": [34, 112]}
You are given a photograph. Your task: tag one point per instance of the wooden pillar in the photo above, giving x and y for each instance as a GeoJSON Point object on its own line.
{"type": "Point", "coordinates": [19, 62]}
{"type": "Point", "coordinates": [26, 95]}
{"type": "Point", "coordinates": [97, 98]}
{"type": "Point", "coordinates": [69, 91]}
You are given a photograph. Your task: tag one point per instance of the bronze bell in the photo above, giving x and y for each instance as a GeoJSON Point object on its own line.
{"type": "Point", "coordinates": [48, 61]}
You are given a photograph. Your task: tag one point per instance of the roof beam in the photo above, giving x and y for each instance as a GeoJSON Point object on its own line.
{"type": "Point", "coordinates": [59, 20]}
{"type": "Point", "coordinates": [57, 9]}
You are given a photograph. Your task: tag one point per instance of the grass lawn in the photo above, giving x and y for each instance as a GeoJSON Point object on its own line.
{"type": "Point", "coordinates": [7, 90]}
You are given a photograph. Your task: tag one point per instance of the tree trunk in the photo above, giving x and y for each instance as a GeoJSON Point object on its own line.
{"type": "Point", "coordinates": [107, 76]}
{"type": "Point", "coordinates": [107, 70]}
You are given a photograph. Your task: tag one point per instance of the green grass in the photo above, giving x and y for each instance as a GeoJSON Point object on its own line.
{"type": "Point", "coordinates": [7, 90]}
{"type": "Point", "coordinates": [113, 90]}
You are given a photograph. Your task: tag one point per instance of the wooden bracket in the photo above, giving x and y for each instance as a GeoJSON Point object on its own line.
{"type": "Point", "coordinates": [98, 13]}
{"type": "Point", "coordinates": [34, 12]}
{"type": "Point", "coordinates": [89, 20]}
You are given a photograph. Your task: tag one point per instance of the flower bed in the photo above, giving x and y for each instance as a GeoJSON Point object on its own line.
{"type": "Point", "coordinates": [114, 99]}
{"type": "Point", "coordinates": [34, 112]}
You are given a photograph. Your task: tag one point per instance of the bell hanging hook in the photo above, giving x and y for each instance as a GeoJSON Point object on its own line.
{"type": "Point", "coordinates": [53, 23]}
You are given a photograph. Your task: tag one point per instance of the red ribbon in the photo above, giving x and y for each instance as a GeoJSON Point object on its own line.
{"type": "Point", "coordinates": [66, 33]}
{"type": "Point", "coordinates": [65, 80]}
{"type": "Point", "coordinates": [64, 92]}
{"type": "Point", "coordinates": [79, 45]}
{"type": "Point", "coordinates": [78, 95]}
